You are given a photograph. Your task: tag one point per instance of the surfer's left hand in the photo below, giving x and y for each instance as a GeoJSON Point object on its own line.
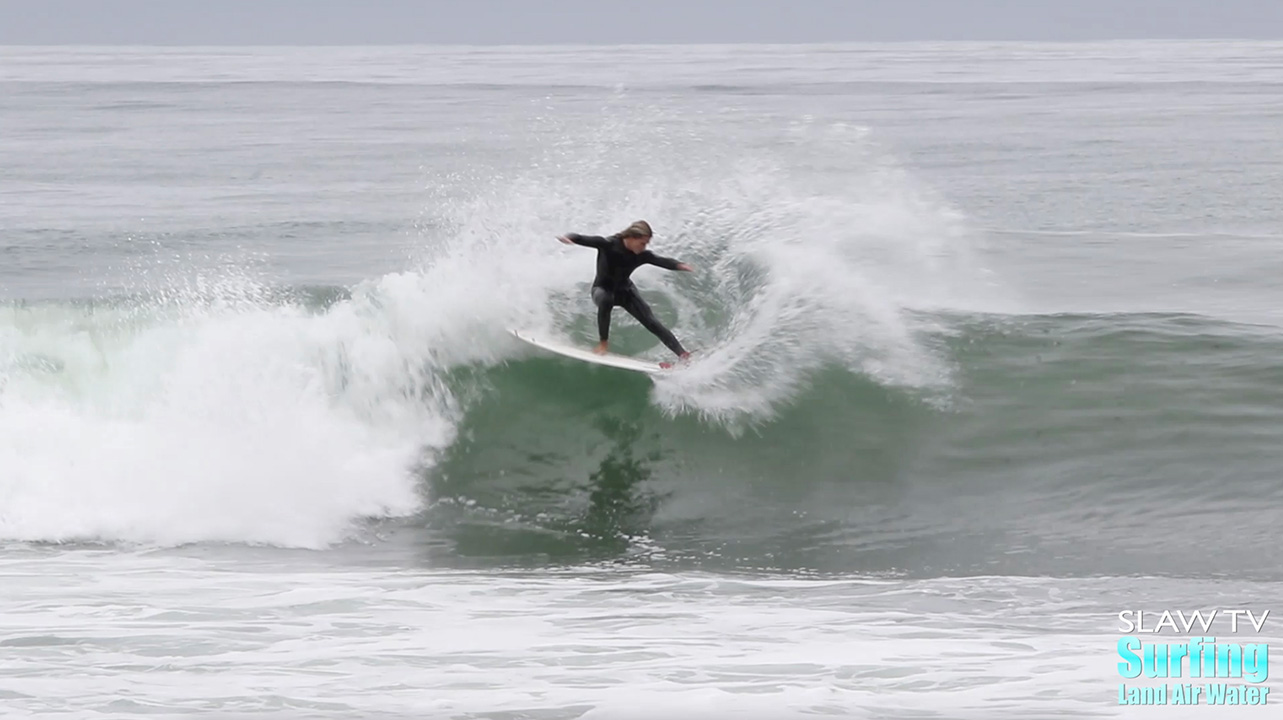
{"type": "Point", "coordinates": [685, 268]}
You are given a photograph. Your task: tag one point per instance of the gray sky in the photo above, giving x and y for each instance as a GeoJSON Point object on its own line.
{"type": "Point", "coordinates": [356, 22]}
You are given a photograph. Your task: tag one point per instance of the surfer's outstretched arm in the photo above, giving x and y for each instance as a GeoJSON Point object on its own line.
{"type": "Point", "coordinates": [592, 241]}
{"type": "Point", "coordinates": [665, 262]}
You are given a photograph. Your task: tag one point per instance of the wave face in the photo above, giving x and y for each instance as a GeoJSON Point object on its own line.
{"type": "Point", "coordinates": [1063, 435]}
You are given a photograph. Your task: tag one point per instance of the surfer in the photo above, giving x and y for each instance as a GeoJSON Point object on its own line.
{"type": "Point", "coordinates": [617, 257]}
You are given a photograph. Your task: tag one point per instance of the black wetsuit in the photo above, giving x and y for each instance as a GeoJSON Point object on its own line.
{"type": "Point", "coordinates": [611, 287]}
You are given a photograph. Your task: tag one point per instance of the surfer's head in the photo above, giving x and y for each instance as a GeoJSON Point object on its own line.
{"type": "Point", "coordinates": [636, 236]}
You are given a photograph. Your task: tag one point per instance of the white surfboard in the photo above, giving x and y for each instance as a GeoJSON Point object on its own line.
{"type": "Point", "coordinates": [579, 353]}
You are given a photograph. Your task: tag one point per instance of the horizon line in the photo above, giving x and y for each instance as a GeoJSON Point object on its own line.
{"type": "Point", "coordinates": [709, 43]}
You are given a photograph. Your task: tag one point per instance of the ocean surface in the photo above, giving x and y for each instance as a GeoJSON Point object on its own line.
{"type": "Point", "coordinates": [989, 349]}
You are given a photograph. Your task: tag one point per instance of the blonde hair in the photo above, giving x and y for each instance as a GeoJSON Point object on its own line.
{"type": "Point", "coordinates": [639, 229]}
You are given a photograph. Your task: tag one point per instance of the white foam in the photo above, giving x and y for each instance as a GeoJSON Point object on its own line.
{"type": "Point", "coordinates": [215, 422]}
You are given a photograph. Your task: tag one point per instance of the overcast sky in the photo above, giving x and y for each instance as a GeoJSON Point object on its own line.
{"type": "Point", "coordinates": [353, 22]}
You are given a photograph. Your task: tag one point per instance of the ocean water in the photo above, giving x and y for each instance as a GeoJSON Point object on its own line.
{"type": "Point", "coordinates": [988, 351]}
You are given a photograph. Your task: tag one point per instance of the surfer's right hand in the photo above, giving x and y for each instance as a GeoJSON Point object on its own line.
{"type": "Point", "coordinates": [565, 240]}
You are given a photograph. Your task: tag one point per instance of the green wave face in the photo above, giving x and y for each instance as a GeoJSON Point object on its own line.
{"type": "Point", "coordinates": [1060, 436]}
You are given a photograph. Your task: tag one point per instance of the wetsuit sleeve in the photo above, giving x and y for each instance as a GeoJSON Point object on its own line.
{"type": "Point", "coordinates": [665, 262]}
{"type": "Point", "coordinates": [592, 241]}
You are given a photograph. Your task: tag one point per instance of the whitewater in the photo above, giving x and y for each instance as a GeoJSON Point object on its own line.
{"type": "Point", "coordinates": [986, 353]}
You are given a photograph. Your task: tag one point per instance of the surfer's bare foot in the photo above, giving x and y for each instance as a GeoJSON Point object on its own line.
{"type": "Point", "coordinates": [600, 348]}
{"type": "Point", "coordinates": [669, 366]}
